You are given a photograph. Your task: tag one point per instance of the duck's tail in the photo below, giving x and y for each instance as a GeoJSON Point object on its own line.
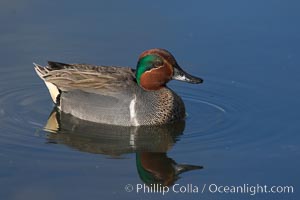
{"type": "Point", "coordinates": [42, 72]}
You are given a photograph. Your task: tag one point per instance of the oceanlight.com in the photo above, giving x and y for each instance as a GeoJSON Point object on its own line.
{"type": "Point", "coordinates": [209, 188]}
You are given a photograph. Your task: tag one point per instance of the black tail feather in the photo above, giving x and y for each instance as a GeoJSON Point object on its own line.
{"type": "Point", "coordinates": [57, 65]}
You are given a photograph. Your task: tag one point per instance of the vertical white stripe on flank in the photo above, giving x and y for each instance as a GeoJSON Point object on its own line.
{"type": "Point", "coordinates": [133, 118]}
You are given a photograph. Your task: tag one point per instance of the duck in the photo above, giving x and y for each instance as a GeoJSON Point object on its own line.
{"type": "Point", "coordinates": [117, 95]}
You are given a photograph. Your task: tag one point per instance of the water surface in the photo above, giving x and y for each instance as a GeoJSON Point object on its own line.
{"type": "Point", "coordinates": [243, 121]}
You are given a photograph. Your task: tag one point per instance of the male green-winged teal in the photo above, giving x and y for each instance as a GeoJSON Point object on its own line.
{"type": "Point", "coordinates": [119, 95]}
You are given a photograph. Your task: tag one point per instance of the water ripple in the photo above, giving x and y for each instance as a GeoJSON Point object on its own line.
{"type": "Point", "coordinates": [219, 115]}
{"type": "Point", "coordinates": [21, 112]}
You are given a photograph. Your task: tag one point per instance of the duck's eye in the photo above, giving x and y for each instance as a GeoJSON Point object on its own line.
{"type": "Point", "coordinates": [158, 63]}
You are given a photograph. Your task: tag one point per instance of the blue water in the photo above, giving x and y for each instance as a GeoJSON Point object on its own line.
{"type": "Point", "coordinates": [243, 121]}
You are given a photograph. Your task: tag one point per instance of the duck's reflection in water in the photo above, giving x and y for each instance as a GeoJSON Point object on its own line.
{"type": "Point", "coordinates": [158, 168]}
{"type": "Point", "coordinates": [150, 143]}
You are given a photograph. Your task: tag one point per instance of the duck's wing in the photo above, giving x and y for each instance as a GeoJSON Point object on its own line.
{"type": "Point", "coordinates": [94, 93]}
{"type": "Point", "coordinates": [89, 78]}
